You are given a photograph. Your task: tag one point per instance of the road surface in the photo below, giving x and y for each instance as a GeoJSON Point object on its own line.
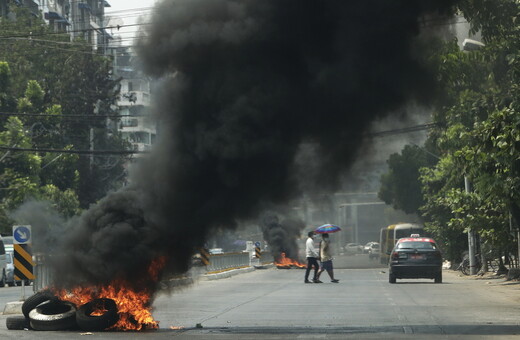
{"type": "Point", "coordinates": [276, 304]}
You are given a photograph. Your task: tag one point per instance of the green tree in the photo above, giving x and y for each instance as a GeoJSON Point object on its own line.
{"type": "Point", "coordinates": [58, 76]}
{"type": "Point", "coordinates": [476, 135]}
{"type": "Point", "coordinates": [25, 175]}
{"type": "Point", "coordinates": [400, 186]}
{"type": "Point", "coordinates": [7, 100]}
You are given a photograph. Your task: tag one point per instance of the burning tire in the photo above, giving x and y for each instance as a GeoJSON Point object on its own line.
{"type": "Point", "coordinates": [97, 315]}
{"type": "Point", "coordinates": [34, 300]}
{"type": "Point", "coordinates": [17, 323]}
{"type": "Point", "coordinates": [53, 316]}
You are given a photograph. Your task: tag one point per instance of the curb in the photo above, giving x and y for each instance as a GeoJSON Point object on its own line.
{"type": "Point", "coordinates": [13, 308]}
{"type": "Point", "coordinates": [228, 273]}
{"type": "Point", "coordinates": [189, 280]}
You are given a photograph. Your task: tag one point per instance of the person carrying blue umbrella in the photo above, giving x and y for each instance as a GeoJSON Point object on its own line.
{"type": "Point", "coordinates": [326, 258]}
{"type": "Point", "coordinates": [325, 251]}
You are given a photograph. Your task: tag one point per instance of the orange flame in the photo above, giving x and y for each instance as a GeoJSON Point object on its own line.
{"type": "Point", "coordinates": [133, 306]}
{"type": "Point", "coordinates": [286, 262]}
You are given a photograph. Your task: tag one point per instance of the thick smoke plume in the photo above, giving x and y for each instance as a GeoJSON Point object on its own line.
{"type": "Point", "coordinates": [244, 85]}
{"type": "Point", "coordinates": [281, 235]}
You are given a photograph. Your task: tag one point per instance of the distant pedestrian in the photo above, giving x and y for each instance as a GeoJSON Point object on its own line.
{"type": "Point", "coordinates": [326, 258]}
{"type": "Point", "coordinates": [312, 259]}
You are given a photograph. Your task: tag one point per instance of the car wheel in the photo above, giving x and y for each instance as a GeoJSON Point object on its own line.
{"type": "Point", "coordinates": [2, 281]}
{"type": "Point", "coordinates": [391, 278]}
{"type": "Point", "coordinates": [10, 284]}
{"type": "Point", "coordinates": [34, 300]}
{"type": "Point", "coordinates": [88, 322]}
{"type": "Point", "coordinates": [17, 323]}
{"type": "Point", "coordinates": [53, 316]}
{"type": "Point", "coordinates": [438, 278]}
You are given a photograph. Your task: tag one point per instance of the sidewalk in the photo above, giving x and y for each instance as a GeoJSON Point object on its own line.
{"type": "Point", "coordinates": [499, 283]}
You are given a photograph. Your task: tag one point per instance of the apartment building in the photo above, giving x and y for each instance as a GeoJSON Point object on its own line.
{"type": "Point", "coordinates": [136, 125]}
{"type": "Point", "coordinates": [81, 18]}
{"type": "Point", "coordinates": [88, 21]}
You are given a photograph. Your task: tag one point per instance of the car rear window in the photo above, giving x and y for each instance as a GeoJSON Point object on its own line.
{"type": "Point", "coordinates": [416, 245]}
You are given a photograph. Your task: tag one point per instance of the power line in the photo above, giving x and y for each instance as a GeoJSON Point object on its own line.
{"type": "Point", "coordinates": [45, 43]}
{"type": "Point", "coordinates": [130, 152]}
{"type": "Point", "coordinates": [414, 128]}
{"type": "Point", "coordinates": [408, 129]}
{"type": "Point", "coordinates": [109, 12]}
{"type": "Point", "coordinates": [68, 116]}
{"type": "Point", "coordinates": [32, 34]}
{"type": "Point", "coordinates": [80, 152]}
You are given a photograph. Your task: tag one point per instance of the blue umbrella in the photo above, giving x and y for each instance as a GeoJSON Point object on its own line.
{"type": "Point", "coordinates": [327, 229]}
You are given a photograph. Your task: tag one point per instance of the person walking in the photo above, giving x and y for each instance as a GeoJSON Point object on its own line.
{"type": "Point", "coordinates": [312, 258]}
{"type": "Point", "coordinates": [326, 258]}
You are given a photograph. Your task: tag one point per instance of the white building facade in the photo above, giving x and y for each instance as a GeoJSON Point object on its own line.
{"type": "Point", "coordinates": [135, 125]}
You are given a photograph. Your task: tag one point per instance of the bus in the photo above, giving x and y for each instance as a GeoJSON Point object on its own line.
{"type": "Point", "coordinates": [388, 236]}
{"type": "Point", "coordinates": [386, 243]}
{"type": "Point", "coordinates": [407, 229]}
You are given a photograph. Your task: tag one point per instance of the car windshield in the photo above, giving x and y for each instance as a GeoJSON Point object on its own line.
{"type": "Point", "coordinates": [416, 245]}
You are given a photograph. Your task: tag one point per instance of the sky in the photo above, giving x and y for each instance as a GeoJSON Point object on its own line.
{"type": "Point", "coordinates": [127, 12]}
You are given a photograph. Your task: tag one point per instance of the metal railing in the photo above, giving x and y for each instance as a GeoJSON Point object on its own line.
{"type": "Point", "coordinates": [226, 261]}
{"type": "Point", "coordinates": [42, 273]}
{"type": "Point", "coordinates": [217, 263]}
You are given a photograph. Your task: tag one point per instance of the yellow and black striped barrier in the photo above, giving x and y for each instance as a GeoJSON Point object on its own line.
{"type": "Point", "coordinates": [204, 256]}
{"type": "Point", "coordinates": [23, 262]}
{"type": "Point", "coordinates": [258, 252]}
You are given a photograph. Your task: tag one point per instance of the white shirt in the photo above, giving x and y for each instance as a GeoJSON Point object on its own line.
{"type": "Point", "coordinates": [310, 251]}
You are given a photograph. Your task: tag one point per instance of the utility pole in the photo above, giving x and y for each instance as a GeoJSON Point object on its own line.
{"type": "Point", "coordinates": [91, 147]}
{"type": "Point", "coordinates": [471, 237]}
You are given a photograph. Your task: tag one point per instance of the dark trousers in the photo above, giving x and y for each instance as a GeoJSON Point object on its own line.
{"type": "Point", "coordinates": [312, 261]}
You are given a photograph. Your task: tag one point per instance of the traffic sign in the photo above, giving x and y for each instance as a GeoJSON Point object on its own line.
{"type": "Point", "coordinates": [204, 256]}
{"type": "Point", "coordinates": [23, 262]}
{"type": "Point", "coordinates": [22, 234]}
{"type": "Point", "coordinates": [257, 244]}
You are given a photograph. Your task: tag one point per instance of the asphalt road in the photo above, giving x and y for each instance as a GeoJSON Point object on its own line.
{"type": "Point", "coordinates": [276, 304]}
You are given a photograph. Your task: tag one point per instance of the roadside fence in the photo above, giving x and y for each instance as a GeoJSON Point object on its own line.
{"type": "Point", "coordinates": [216, 263]}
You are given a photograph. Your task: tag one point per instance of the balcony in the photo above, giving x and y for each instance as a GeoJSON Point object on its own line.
{"type": "Point", "coordinates": [134, 98]}
{"type": "Point", "coordinates": [136, 124]}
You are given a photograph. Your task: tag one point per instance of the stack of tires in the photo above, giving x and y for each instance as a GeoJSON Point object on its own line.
{"type": "Point", "coordinates": [43, 311]}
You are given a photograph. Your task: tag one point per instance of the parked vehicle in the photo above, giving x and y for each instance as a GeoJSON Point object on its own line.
{"type": "Point", "coordinates": [414, 258]}
{"type": "Point", "coordinates": [373, 251]}
{"type": "Point", "coordinates": [8, 244]}
{"type": "Point", "coordinates": [9, 270]}
{"type": "Point", "coordinates": [493, 265]}
{"type": "Point", "coordinates": [353, 248]}
{"type": "Point", "coordinates": [3, 263]}
{"type": "Point", "coordinates": [10, 281]}
{"type": "Point", "coordinates": [367, 247]}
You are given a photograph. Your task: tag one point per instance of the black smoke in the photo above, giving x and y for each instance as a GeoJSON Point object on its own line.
{"type": "Point", "coordinates": [281, 236]}
{"type": "Point", "coordinates": [243, 85]}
